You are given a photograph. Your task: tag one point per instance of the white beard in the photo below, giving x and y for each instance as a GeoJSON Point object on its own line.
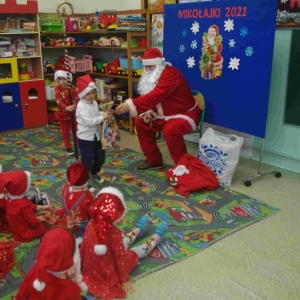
{"type": "Point", "coordinates": [211, 40]}
{"type": "Point", "coordinates": [149, 79]}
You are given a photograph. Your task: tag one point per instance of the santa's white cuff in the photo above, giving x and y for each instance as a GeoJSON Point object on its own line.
{"type": "Point", "coordinates": [132, 110]}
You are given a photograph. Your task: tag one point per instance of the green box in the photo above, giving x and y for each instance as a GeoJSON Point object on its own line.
{"type": "Point", "coordinates": [51, 27]}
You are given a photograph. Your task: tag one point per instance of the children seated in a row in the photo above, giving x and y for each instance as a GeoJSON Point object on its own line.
{"type": "Point", "coordinates": [106, 261]}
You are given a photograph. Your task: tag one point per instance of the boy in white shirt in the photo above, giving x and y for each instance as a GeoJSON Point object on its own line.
{"type": "Point", "coordinates": [88, 119]}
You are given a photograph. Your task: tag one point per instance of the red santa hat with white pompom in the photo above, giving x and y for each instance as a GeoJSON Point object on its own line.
{"type": "Point", "coordinates": [62, 72]}
{"type": "Point", "coordinates": [215, 28]}
{"type": "Point", "coordinates": [109, 208]}
{"type": "Point", "coordinates": [16, 183]}
{"type": "Point", "coordinates": [57, 254]}
{"type": "Point", "coordinates": [152, 56]}
{"type": "Point", "coordinates": [85, 84]}
{"type": "Point", "coordinates": [78, 176]}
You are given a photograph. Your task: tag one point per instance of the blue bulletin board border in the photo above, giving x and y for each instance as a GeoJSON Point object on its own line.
{"type": "Point", "coordinates": [225, 50]}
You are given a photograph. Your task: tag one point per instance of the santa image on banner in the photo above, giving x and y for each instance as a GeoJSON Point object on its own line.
{"type": "Point", "coordinates": [211, 61]}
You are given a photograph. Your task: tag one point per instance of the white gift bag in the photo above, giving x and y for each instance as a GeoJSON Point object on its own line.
{"type": "Point", "coordinates": [220, 152]}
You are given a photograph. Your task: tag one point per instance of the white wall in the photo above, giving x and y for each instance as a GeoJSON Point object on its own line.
{"type": "Point", "coordinates": [87, 6]}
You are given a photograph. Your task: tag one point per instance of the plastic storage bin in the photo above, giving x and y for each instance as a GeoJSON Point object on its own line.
{"type": "Point", "coordinates": [135, 63]}
{"type": "Point", "coordinates": [52, 27]}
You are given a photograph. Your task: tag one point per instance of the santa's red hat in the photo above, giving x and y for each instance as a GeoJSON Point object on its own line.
{"type": "Point", "coordinates": [215, 28]}
{"type": "Point", "coordinates": [78, 176]}
{"type": "Point", "coordinates": [109, 207]}
{"type": "Point", "coordinates": [62, 72]}
{"type": "Point", "coordinates": [7, 259]}
{"type": "Point", "coordinates": [56, 255]}
{"type": "Point", "coordinates": [152, 56]}
{"type": "Point", "coordinates": [85, 84]}
{"type": "Point", "coordinates": [16, 183]}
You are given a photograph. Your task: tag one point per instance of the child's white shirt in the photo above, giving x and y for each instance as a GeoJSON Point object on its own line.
{"type": "Point", "coordinates": [88, 119]}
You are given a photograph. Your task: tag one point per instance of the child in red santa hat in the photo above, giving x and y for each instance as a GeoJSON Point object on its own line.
{"type": "Point", "coordinates": [48, 279]}
{"type": "Point", "coordinates": [65, 107]}
{"type": "Point", "coordinates": [106, 260]}
{"type": "Point", "coordinates": [20, 211]}
{"type": "Point", "coordinates": [7, 259]}
{"type": "Point", "coordinates": [88, 119]}
{"type": "Point", "coordinates": [76, 195]}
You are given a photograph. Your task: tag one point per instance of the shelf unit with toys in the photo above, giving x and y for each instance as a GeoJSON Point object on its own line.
{"type": "Point", "coordinates": [108, 61]}
{"type": "Point", "coordinates": [22, 93]}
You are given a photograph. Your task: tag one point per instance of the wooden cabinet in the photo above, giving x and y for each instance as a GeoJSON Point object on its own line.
{"type": "Point", "coordinates": [111, 51]}
{"type": "Point", "coordinates": [23, 54]}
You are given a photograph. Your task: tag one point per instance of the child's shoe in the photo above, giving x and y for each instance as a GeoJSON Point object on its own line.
{"type": "Point", "coordinates": [96, 178]}
{"type": "Point", "coordinates": [161, 230]}
{"type": "Point", "coordinates": [69, 152]}
{"type": "Point", "coordinates": [142, 224]}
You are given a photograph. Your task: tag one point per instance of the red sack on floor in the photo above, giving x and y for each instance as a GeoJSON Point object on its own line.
{"type": "Point", "coordinates": [190, 174]}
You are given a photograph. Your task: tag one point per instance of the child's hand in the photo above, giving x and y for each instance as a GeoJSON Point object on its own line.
{"type": "Point", "coordinates": [128, 287]}
{"type": "Point", "coordinates": [106, 114]}
{"type": "Point", "coordinates": [71, 108]}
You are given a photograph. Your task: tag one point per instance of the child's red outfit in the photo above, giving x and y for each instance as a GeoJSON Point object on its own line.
{"type": "Point", "coordinates": [4, 226]}
{"type": "Point", "coordinates": [7, 259]}
{"type": "Point", "coordinates": [115, 265]}
{"type": "Point", "coordinates": [63, 100]}
{"type": "Point", "coordinates": [78, 176]}
{"type": "Point", "coordinates": [54, 258]}
{"type": "Point", "coordinates": [106, 262]}
{"type": "Point", "coordinates": [23, 223]}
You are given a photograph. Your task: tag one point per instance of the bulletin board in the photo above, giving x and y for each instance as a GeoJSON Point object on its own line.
{"type": "Point", "coordinates": [225, 51]}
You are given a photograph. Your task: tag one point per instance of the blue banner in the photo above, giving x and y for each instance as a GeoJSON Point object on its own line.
{"type": "Point", "coordinates": [225, 51]}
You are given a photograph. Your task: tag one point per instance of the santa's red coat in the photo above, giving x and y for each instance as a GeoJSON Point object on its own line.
{"type": "Point", "coordinates": [56, 288]}
{"type": "Point", "coordinates": [23, 223]}
{"type": "Point", "coordinates": [171, 97]}
{"type": "Point", "coordinates": [105, 274]}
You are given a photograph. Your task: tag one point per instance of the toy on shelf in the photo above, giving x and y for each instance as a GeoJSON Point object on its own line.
{"type": "Point", "coordinates": [60, 64]}
{"type": "Point", "coordinates": [72, 25]}
{"type": "Point", "coordinates": [99, 66]}
{"type": "Point", "coordinates": [81, 65]}
{"type": "Point", "coordinates": [134, 43]}
{"type": "Point", "coordinates": [114, 67]}
{"type": "Point", "coordinates": [142, 42]}
{"type": "Point", "coordinates": [47, 67]}
{"type": "Point", "coordinates": [23, 72]}
{"type": "Point", "coordinates": [106, 18]}
{"type": "Point", "coordinates": [113, 41]}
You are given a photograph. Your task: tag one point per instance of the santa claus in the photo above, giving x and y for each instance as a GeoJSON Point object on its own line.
{"type": "Point", "coordinates": [165, 104]}
{"type": "Point", "coordinates": [214, 48]}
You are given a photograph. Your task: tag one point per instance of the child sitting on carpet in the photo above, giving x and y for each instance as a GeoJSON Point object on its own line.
{"type": "Point", "coordinates": [64, 106]}
{"type": "Point", "coordinates": [23, 223]}
{"type": "Point", "coordinates": [106, 260]}
{"type": "Point", "coordinates": [76, 195]}
{"type": "Point", "coordinates": [88, 120]}
{"type": "Point", "coordinates": [48, 279]}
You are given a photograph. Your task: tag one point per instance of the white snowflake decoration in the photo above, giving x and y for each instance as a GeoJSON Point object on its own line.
{"type": "Point", "coordinates": [194, 44]}
{"type": "Point", "coordinates": [284, 1]}
{"type": "Point", "coordinates": [234, 63]}
{"type": "Point", "coordinates": [231, 43]}
{"type": "Point", "coordinates": [229, 25]}
{"type": "Point", "coordinates": [195, 27]}
{"type": "Point", "coordinates": [180, 170]}
{"type": "Point", "coordinates": [249, 51]}
{"type": "Point", "coordinates": [191, 62]}
{"type": "Point", "coordinates": [181, 48]}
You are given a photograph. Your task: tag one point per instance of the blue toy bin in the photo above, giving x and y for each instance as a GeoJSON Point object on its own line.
{"type": "Point", "coordinates": [136, 63]}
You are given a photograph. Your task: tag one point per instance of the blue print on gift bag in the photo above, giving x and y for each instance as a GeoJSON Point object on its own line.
{"type": "Point", "coordinates": [212, 157]}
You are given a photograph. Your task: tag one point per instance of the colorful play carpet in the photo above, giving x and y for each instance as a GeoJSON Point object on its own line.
{"type": "Point", "coordinates": [194, 223]}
